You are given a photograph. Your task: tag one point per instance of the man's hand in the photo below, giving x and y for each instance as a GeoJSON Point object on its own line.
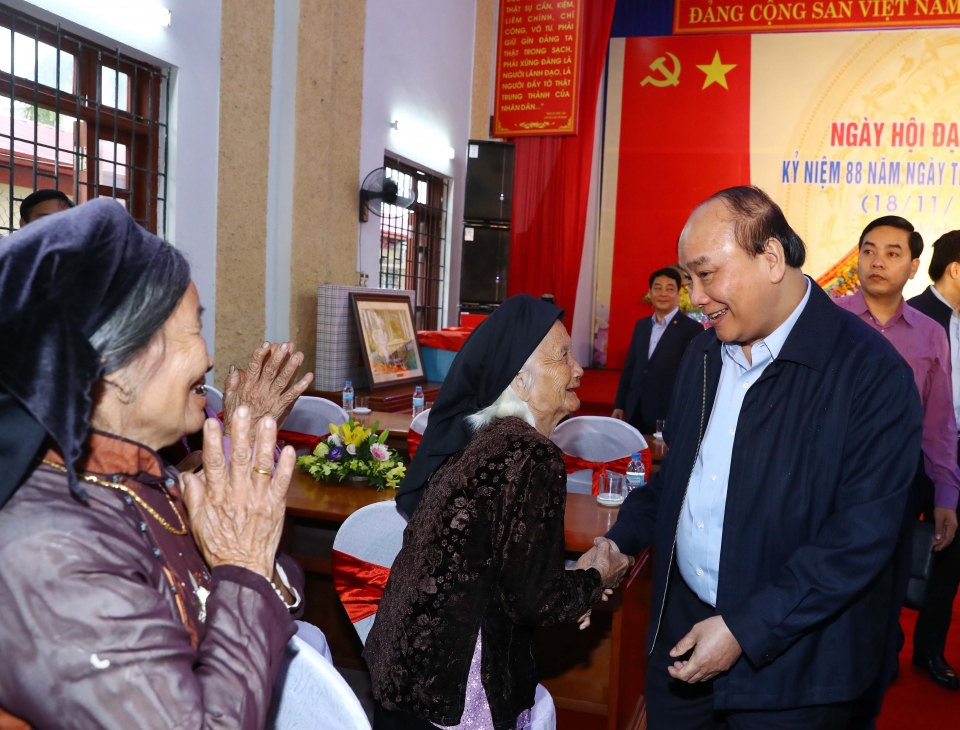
{"type": "Point", "coordinates": [265, 387]}
{"type": "Point", "coordinates": [587, 560]}
{"type": "Point", "coordinates": [714, 651]}
{"type": "Point", "coordinates": [946, 527]}
{"type": "Point", "coordinates": [618, 413]}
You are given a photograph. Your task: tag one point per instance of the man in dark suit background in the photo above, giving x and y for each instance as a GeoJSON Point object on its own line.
{"type": "Point", "coordinates": [658, 344]}
{"type": "Point", "coordinates": [941, 302]}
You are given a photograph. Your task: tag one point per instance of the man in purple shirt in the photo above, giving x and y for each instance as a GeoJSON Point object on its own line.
{"type": "Point", "coordinates": [890, 251]}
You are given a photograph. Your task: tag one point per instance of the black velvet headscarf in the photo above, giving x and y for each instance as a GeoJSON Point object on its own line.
{"type": "Point", "coordinates": [486, 364]}
{"type": "Point", "coordinates": [60, 279]}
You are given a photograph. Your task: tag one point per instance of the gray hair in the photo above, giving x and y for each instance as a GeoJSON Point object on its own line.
{"type": "Point", "coordinates": [508, 404]}
{"type": "Point", "coordinates": [142, 313]}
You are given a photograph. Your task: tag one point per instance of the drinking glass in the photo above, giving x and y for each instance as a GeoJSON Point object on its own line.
{"type": "Point", "coordinates": [360, 405]}
{"type": "Point", "coordinates": [662, 424]}
{"type": "Point", "coordinates": [612, 487]}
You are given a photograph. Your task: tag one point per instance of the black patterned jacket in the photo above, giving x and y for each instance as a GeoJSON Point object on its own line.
{"type": "Point", "coordinates": [483, 552]}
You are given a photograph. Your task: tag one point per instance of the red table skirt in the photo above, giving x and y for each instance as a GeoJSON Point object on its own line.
{"type": "Point", "coordinates": [450, 338]}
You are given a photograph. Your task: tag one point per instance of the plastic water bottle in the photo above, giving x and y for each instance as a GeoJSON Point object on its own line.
{"type": "Point", "coordinates": [418, 401]}
{"type": "Point", "coordinates": [636, 473]}
{"type": "Point", "coordinates": [348, 397]}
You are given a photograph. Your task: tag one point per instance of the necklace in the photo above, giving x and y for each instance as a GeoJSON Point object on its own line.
{"type": "Point", "coordinates": [182, 530]}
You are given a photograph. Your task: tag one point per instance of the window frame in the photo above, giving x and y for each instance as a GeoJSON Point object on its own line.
{"type": "Point", "coordinates": [142, 128]}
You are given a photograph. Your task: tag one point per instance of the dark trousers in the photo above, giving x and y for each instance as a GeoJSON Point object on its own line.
{"type": "Point", "coordinates": [933, 622]}
{"type": "Point", "coordinates": [674, 705]}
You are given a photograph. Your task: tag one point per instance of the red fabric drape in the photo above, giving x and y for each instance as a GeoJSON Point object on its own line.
{"type": "Point", "coordinates": [359, 584]}
{"type": "Point", "coordinates": [413, 442]}
{"type": "Point", "coordinates": [551, 184]}
{"type": "Point", "coordinates": [300, 440]}
{"type": "Point", "coordinates": [618, 466]}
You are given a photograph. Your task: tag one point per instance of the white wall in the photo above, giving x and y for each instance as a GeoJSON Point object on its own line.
{"type": "Point", "coordinates": [191, 45]}
{"type": "Point", "coordinates": [418, 66]}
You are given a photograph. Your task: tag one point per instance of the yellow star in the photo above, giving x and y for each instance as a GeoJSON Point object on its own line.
{"type": "Point", "coordinates": [716, 72]}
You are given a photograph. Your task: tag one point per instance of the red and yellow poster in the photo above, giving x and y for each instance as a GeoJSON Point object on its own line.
{"type": "Point", "coordinates": [538, 68]}
{"type": "Point", "coordinates": [839, 128]}
{"type": "Point", "coordinates": [766, 16]}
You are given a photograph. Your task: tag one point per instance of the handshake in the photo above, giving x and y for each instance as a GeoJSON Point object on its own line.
{"type": "Point", "coordinates": [612, 565]}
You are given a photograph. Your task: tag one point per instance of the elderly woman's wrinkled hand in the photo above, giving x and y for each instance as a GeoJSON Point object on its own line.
{"type": "Point", "coordinates": [265, 386]}
{"type": "Point", "coordinates": [610, 562]}
{"type": "Point", "coordinates": [237, 508]}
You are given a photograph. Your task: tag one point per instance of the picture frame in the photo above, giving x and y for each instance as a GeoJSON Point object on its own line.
{"type": "Point", "coordinates": [388, 340]}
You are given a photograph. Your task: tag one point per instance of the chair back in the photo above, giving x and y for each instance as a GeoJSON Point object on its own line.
{"type": "Point", "coordinates": [313, 415]}
{"type": "Point", "coordinates": [310, 694]}
{"type": "Point", "coordinates": [595, 438]}
{"type": "Point", "coordinates": [363, 551]}
{"type": "Point", "coordinates": [417, 426]}
{"type": "Point", "coordinates": [214, 399]}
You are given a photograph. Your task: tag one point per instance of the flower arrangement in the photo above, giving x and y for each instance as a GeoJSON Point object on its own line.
{"type": "Point", "coordinates": [354, 451]}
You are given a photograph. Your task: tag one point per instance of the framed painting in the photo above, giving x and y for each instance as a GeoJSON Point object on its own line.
{"type": "Point", "coordinates": [388, 339]}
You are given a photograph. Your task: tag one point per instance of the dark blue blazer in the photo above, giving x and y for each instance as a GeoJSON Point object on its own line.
{"type": "Point", "coordinates": [646, 384]}
{"type": "Point", "coordinates": [826, 447]}
{"type": "Point", "coordinates": [927, 303]}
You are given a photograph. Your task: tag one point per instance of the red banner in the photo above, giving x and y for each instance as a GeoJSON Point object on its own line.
{"type": "Point", "coordinates": [538, 68]}
{"type": "Point", "coordinates": [697, 142]}
{"type": "Point", "coordinates": [764, 16]}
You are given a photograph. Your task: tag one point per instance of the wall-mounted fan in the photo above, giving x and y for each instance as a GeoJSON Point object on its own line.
{"type": "Point", "coordinates": [378, 189]}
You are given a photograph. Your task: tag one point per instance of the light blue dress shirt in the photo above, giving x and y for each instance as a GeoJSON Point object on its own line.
{"type": "Point", "coordinates": [658, 328]}
{"type": "Point", "coordinates": [954, 353]}
{"type": "Point", "coordinates": [700, 533]}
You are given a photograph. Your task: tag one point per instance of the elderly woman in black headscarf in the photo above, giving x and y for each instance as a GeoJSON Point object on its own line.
{"type": "Point", "coordinates": [482, 561]}
{"type": "Point", "coordinates": [124, 601]}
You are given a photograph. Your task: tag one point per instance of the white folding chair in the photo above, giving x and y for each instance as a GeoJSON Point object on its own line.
{"type": "Point", "coordinates": [214, 399]}
{"type": "Point", "coordinates": [417, 426]}
{"type": "Point", "coordinates": [375, 534]}
{"type": "Point", "coordinates": [419, 423]}
{"type": "Point", "coordinates": [313, 415]}
{"type": "Point", "coordinates": [309, 694]}
{"type": "Point", "coordinates": [595, 438]}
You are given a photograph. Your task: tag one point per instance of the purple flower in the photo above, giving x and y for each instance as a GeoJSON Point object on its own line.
{"type": "Point", "coordinates": [336, 453]}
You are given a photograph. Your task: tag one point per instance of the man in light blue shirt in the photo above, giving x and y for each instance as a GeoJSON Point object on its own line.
{"type": "Point", "coordinates": [701, 521]}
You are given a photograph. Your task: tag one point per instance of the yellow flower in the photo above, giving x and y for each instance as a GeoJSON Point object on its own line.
{"type": "Point", "coordinates": [352, 434]}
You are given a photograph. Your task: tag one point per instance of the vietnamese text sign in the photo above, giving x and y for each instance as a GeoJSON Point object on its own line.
{"type": "Point", "coordinates": [725, 16]}
{"type": "Point", "coordinates": [538, 68]}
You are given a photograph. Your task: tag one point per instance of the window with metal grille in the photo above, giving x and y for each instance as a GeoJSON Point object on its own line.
{"type": "Point", "coordinates": [79, 118]}
{"type": "Point", "coordinates": [413, 243]}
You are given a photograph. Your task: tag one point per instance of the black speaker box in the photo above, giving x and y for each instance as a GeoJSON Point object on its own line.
{"type": "Point", "coordinates": [485, 265]}
{"type": "Point", "coordinates": [488, 192]}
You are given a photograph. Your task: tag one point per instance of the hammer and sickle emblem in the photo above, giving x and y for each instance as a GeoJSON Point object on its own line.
{"type": "Point", "coordinates": [670, 77]}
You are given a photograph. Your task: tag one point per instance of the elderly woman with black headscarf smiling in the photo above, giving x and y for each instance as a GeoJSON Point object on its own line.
{"type": "Point", "coordinates": [118, 610]}
{"type": "Point", "coordinates": [482, 561]}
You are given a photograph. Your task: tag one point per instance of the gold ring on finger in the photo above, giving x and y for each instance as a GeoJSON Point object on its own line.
{"type": "Point", "coordinates": [265, 472]}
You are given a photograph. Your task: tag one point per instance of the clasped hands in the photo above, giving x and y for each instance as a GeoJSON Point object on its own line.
{"type": "Point", "coordinates": [612, 565]}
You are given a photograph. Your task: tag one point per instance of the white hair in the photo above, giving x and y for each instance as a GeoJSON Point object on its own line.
{"type": "Point", "coordinates": [508, 404]}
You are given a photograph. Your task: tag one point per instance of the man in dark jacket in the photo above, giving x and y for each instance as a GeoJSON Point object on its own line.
{"type": "Point", "coordinates": [658, 344]}
{"type": "Point", "coordinates": [941, 302]}
{"type": "Point", "coordinates": [794, 433]}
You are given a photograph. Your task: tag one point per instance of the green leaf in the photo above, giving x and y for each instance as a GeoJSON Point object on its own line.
{"type": "Point", "coordinates": [383, 436]}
